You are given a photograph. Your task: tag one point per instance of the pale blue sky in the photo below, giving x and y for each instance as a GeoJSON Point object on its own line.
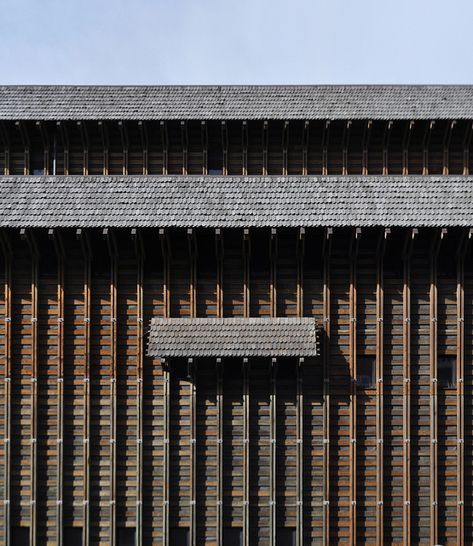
{"type": "Point", "coordinates": [235, 41]}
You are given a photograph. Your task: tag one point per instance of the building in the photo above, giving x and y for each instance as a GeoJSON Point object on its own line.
{"type": "Point", "coordinates": [319, 239]}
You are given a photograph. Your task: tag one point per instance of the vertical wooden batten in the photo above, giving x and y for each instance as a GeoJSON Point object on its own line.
{"type": "Point", "coordinates": [113, 253]}
{"type": "Point", "coordinates": [353, 253]}
{"type": "Point", "coordinates": [192, 247]}
{"type": "Point", "coordinates": [32, 245]}
{"type": "Point", "coordinates": [165, 249]}
{"type": "Point", "coordinates": [7, 256]}
{"type": "Point", "coordinates": [219, 252]}
{"type": "Point", "coordinates": [87, 259]}
{"type": "Point", "coordinates": [60, 256]}
{"type": "Point", "coordinates": [300, 398]}
{"type": "Point", "coordinates": [433, 314]}
{"type": "Point", "coordinates": [406, 359]}
{"type": "Point", "coordinates": [246, 393]}
{"type": "Point", "coordinates": [460, 370]}
{"type": "Point", "coordinates": [327, 250]}
{"type": "Point", "coordinates": [140, 351]}
{"type": "Point", "coordinates": [381, 247]}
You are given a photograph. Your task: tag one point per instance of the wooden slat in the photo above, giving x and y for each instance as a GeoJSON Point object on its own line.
{"type": "Point", "coordinates": [406, 363]}
{"type": "Point", "coordinates": [140, 351]}
{"type": "Point", "coordinates": [379, 388]}
{"type": "Point", "coordinates": [111, 243]}
{"type": "Point", "coordinates": [460, 391]}
{"type": "Point", "coordinates": [327, 246]}
{"type": "Point", "coordinates": [433, 312]}
{"type": "Point", "coordinates": [353, 397]}
{"type": "Point", "coordinates": [166, 387]}
{"type": "Point", "coordinates": [34, 387]}
{"type": "Point", "coordinates": [59, 247]}
{"type": "Point", "coordinates": [7, 287]}
{"type": "Point", "coordinates": [87, 313]}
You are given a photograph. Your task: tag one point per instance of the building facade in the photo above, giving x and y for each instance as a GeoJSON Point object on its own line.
{"type": "Point", "coordinates": [236, 316]}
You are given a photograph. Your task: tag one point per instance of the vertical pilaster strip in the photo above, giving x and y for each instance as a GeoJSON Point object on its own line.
{"type": "Point", "coordinates": [300, 398]}
{"type": "Point", "coordinates": [219, 370]}
{"type": "Point", "coordinates": [272, 404]}
{"type": "Point", "coordinates": [433, 391]}
{"type": "Point", "coordinates": [113, 381]}
{"type": "Point", "coordinates": [34, 382]}
{"type": "Point", "coordinates": [352, 305]}
{"type": "Point", "coordinates": [139, 388]}
{"type": "Point", "coordinates": [460, 409]}
{"type": "Point", "coordinates": [380, 387]}
{"type": "Point", "coordinates": [246, 452]}
{"type": "Point", "coordinates": [58, 245]}
{"type": "Point", "coordinates": [300, 452]}
{"type": "Point", "coordinates": [7, 254]}
{"type": "Point", "coordinates": [406, 364]}
{"type": "Point", "coordinates": [326, 386]}
{"type": "Point", "coordinates": [272, 456]}
{"type": "Point", "coordinates": [166, 389]}
{"type": "Point", "coordinates": [192, 379]}
{"type": "Point", "coordinates": [246, 394]}
{"type": "Point", "coordinates": [87, 257]}
{"type": "Point", "coordinates": [192, 385]}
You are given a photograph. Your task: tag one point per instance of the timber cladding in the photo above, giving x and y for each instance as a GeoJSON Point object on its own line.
{"type": "Point", "coordinates": [222, 327]}
{"type": "Point", "coordinates": [96, 428]}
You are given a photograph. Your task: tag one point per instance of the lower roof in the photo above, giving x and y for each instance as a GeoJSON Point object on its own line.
{"type": "Point", "coordinates": [235, 201]}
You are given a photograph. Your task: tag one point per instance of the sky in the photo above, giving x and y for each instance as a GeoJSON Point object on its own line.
{"type": "Point", "coordinates": [236, 42]}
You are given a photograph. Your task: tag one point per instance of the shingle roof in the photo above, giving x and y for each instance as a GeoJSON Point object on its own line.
{"type": "Point", "coordinates": [231, 337]}
{"type": "Point", "coordinates": [235, 201]}
{"type": "Point", "coordinates": [235, 102]}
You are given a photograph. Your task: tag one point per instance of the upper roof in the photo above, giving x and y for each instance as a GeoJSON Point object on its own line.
{"type": "Point", "coordinates": [233, 337]}
{"type": "Point", "coordinates": [235, 201]}
{"type": "Point", "coordinates": [247, 102]}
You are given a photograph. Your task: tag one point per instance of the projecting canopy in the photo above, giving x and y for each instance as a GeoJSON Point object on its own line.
{"type": "Point", "coordinates": [233, 337]}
